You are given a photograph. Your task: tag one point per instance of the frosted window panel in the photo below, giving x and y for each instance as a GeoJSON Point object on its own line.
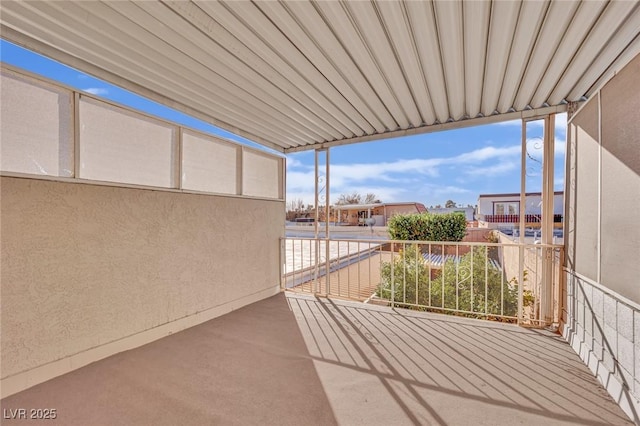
{"type": "Point", "coordinates": [36, 135]}
{"type": "Point", "coordinates": [261, 175]}
{"type": "Point", "coordinates": [208, 164]}
{"type": "Point", "coordinates": [117, 145]}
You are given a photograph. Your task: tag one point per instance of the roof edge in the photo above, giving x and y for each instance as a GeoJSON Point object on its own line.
{"type": "Point", "coordinates": [527, 115]}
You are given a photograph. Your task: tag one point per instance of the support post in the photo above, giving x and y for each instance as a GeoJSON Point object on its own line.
{"type": "Point", "coordinates": [522, 211]}
{"type": "Point", "coordinates": [315, 226]}
{"type": "Point", "coordinates": [327, 232]}
{"type": "Point", "coordinates": [547, 219]}
{"type": "Point", "coordinates": [322, 195]}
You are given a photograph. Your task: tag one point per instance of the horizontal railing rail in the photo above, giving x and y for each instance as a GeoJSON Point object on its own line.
{"type": "Point", "coordinates": [508, 282]}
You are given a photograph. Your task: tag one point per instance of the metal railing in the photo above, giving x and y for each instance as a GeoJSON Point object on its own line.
{"type": "Point", "coordinates": [499, 281]}
{"type": "Point", "coordinates": [515, 218]}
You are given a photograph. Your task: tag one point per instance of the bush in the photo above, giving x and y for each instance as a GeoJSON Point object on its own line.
{"type": "Point", "coordinates": [412, 284]}
{"type": "Point", "coordinates": [428, 227]}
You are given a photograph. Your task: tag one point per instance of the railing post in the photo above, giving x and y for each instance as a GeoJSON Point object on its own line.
{"type": "Point", "coordinates": [326, 227]}
{"type": "Point", "coordinates": [316, 288]}
{"type": "Point", "coordinates": [283, 260]}
{"type": "Point", "coordinates": [393, 277]}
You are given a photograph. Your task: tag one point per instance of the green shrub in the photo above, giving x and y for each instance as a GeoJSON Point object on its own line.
{"type": "Point", "coordinates": [428, 227]}
{"type": "Point", "coordinates": [412, 284]}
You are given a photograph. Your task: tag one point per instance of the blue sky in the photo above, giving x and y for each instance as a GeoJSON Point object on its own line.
{"type": "Point", "coordinates": [431, 168]}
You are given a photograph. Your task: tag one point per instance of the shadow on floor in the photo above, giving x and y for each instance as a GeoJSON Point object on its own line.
{"type": "Point", "coordinates": [384, 366]}
{"type": "Point", "coordinates": [295, 359]}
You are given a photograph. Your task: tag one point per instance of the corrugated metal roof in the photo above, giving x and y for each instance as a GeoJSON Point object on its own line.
{"type": "Point", "coordinates": [306, 74]}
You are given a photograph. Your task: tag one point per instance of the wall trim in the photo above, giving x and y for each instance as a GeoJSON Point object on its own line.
{"type": "Point", "coordinates": [24, 380]}
{"type": "Point", "coordinates": [63, 179]}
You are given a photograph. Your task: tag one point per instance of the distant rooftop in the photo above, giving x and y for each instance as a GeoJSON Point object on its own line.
{"type": "Point", "coordinates": [515, 194]}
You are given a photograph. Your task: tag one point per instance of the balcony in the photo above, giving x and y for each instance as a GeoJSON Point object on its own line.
{"type": "Point", "coordinates": [471, 279]}
{"type": "Point", "coordinates": [299, 359]}
{"type": "Point", "coordinates": [514, 218]}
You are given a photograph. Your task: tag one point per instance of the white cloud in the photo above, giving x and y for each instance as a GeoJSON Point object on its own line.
{"type": "Point", "coordinates": [492, 170]}
{"type": "Point", "coordinates": [98, 91]}
{"type": "Point", "coordinates": [433, 194]}
{"type": "Point", "coordinates": [293, 162]}
{"type": "Point", "coordinates": [405, 178]}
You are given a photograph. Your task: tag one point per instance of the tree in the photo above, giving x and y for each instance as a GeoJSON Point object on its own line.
{"type": "Point", "coordinates": [295, 205]}
{"type": "Point", "coordinates": [344, 199]}
{"type": "Point", "coordinates": [356, 198]}
{"type": "Point", "coordinates": [471, 287]}
{"type": "Point", "coordinates": [450, 204]}
{"type": "Point", "coordinates": [371, 199]}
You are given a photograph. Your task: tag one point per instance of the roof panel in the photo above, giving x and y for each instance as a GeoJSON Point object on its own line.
{"type": "Point", "coordinates": [594, 44]}
{"type": "Point", "coordinates": [423, 24]}
{"type": "Point", "coordinates": [265, 41]}
{"type": "Point", "coordinates": [306, 74]}
{"type": "Point", "coordinates": [502, 25]}
{"type": "Point", "coordinates": [586, 15]}
{"type": "Point", "coordinates": [451, 34]}
{"type": "Point", "coordinates": [476, 31]}
{"type": "Point", "coordinates": [302, 21]}
{"type": "Point", "coordinates": [530, 19]}
{"type": "Point", "coordinates": [398, 24]}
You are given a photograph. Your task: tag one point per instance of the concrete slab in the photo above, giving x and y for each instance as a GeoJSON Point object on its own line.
{"type": "Point", "coordinates": [296, 359]}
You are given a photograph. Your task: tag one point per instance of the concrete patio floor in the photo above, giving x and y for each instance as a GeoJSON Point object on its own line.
{"type": "Point", "coordinates": [294, 359]}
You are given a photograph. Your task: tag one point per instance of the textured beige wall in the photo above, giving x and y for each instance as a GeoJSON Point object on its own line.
{"type": "Point", "coordinates": [620, 242]}
{"type": "Point", "coordinates": [585, 189]}
{"type": "Point", "coordinates": [85, 265]}
{"type": "Point", "coordinates": [604, 188]}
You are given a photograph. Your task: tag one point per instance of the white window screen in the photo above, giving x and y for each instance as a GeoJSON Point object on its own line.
{"type": "Point", "coordinates": [261, 175]}
{"type": "Point", "coordinates": [121, 146]}
{"type": "Point", "coordinates": [208, 164]}
{"type": "Point", "coordinates": [36, 135]}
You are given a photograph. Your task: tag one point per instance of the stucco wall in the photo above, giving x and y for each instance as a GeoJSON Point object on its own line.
{"type": "Point", "coordinates": [87, 265]}
{"type": "Point", "coordinates": [602, 314]}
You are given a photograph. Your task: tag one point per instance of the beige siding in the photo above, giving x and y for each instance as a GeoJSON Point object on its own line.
{"type": "Point", "coordinates": [605, 200]}
{"type": "Point", "coordinates": [620, 240]}
{"type": "Point", "coordinates": [86, 265]}
{"type": "Point", "coordinates": [586, 193]}
{"type": "Point", "coordinates": [601, 315]}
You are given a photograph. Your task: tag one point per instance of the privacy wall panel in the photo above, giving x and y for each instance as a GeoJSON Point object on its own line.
{"type": "Point", "coordinates": [261, 175]}
{"type": "Point", "coordinates": [586, 190]}
{"type": "Point", "coordinates": [36, 135]}
{"type": "Point", "coordinates": [85, 265]}
{"type": "Point", "coordinates": [209, 164]}
{"type": "Point", "coordinates": [118, 145]}
{"type": "Point", "coordinates": [621, 182]}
